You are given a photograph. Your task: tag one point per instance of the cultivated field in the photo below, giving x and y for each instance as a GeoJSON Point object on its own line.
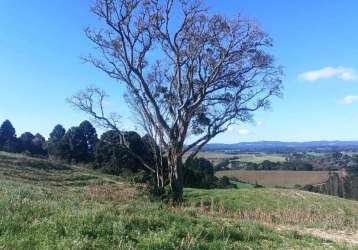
{"type": "Point", "coordinates": [216, 157]}
{"type": "Point", "coordinates": [281, 178]}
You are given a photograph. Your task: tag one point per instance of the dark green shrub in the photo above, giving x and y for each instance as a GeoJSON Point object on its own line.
{"type": "Point", "coordinates": [224, 182]}
{"type": "Point", "coordinates": [8, 141]}
{"type": "Point", "coordinates": [198, 173]}
{"type": "Point", "coordinates": [256, 185]}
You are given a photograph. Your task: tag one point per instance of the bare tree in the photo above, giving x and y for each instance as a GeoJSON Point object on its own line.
{"type": "Point", "coordinates": [152, 140]}
{"type": "Point", "coordinates": [189, 72]}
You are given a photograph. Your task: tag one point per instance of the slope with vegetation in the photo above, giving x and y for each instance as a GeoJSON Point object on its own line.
{"type": "Point", "coordinates": [49, 205]}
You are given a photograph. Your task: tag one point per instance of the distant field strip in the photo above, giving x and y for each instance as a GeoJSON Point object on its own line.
{"type": "Point", "coordinates": [280, 178]}
{"type": "Point", "coordinates": [258, 158]}
{"type": "Point", "coordinates": [217, 157]}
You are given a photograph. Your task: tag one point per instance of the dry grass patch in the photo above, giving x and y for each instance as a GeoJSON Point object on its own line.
{"type": "Point", "coordinates": [112, 193]}
{"type": "Point", "coordinates": [291, 216]}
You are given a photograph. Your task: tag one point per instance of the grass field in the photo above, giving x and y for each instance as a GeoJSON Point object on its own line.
{"type": "Point", "coordinates": [281, 178]}
{"type": "Point", "coordinates": [216, 157]}
{"type": "Point", "coordinates": [282, 206]}
{"type": "Point", "coordinates": [46, 205]}
{"type": "Point", "coordinates": [258, 158]}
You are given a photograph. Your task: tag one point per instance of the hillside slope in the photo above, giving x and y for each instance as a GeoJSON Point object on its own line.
{"type": "Point", "coordinates": [47, 205]}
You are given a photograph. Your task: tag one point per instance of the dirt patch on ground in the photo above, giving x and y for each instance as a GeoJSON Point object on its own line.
{"type": "Point", "coordinates": [350, 238]}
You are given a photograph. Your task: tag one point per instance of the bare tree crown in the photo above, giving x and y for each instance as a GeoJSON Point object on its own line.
{"type": "Point", "coordinates": [196, 73]}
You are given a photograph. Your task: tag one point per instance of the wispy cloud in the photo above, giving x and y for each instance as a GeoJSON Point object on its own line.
{"type": "Point", "coordinates": [235, 130]}
{"type": "Point", "coordinates": [342, 73]}
{"type": "Point", "coordinates": [243, 131]}
{"type": "Point", "coordinates": [258, 123]}
{"type": "Point", "coordinates": [349, 99]}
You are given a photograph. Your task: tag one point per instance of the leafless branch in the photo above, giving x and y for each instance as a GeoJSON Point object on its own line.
{"type": "Point", "coordinates": [194, 75]}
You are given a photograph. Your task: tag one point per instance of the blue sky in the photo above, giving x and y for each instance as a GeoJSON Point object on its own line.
{"type": "Point", "coordinates": [316, 42]}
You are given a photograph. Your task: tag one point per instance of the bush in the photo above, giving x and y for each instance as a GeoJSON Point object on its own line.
{"type": "Point", "coordinates": [257, 185]}
{"type": "Point", "coordinates": [224, 182]}
{"type": "Point", "coordinates": [139, 177]}
{"type": "Point", "coordinates": [309, 188]}
{"type": "Point", "coordinates": [223, 165]}
{"type": "Point", "coordinates": [198, 173]}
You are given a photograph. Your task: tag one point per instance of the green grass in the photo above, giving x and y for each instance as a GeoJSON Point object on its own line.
{"type": "Point", "coordinates": [241, 185]}
{"type": "Point", "coordinates": [76, 208]}
{"type": "Point", "coordinates": [217, 157]}
{"type": "Point", "coordinates": [282, 206]}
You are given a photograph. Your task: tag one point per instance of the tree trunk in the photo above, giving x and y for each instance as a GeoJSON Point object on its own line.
{"type": "Point", "coordinates": [159, 178]}
{"type": "Point", "coordinates": [176, 174]}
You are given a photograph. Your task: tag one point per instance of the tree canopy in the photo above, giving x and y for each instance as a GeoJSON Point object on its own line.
{"type": "Point", "coordinates": [188, 71]}
{"type": "Point", "coordinates": [7, 136]}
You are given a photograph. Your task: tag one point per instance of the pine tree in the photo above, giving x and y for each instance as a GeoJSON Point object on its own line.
{"type": "Point", "coordinates": [90, 136]}
{"type": "Point", "coordinates": [7, 137]}
{"type": "Point", "coordinates": [55, 138]}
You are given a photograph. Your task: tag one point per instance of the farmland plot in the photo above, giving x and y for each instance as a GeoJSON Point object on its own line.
{"type": "Point", "coordinates": [282, 178]}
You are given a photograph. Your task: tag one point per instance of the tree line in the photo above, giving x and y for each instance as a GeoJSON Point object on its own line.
{"type": "Point", "coordinates": [75, 145]}
{"type": "Point", "coordinates": [295, 165]}
{"type": "Point", "coordinates": [27, 142]}
{"type": "Point", "coordinates": [110, 153]}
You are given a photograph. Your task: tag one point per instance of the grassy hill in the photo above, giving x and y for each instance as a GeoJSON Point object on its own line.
{"type": "Point", "coordinates": [48, 205]}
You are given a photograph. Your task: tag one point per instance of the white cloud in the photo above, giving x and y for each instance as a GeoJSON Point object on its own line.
{"type": "Point", "coordinates": [243, 131]}
{"type": "Point", "coordinates": [342, 73]}
{"type": "Point", "coordinates": [235, 130]}
{"type": "Point", "coordinates": [259, 124]}
{"type": "Point", "coordinates": [349, 99]}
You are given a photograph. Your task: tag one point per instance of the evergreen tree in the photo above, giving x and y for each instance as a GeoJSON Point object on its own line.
{"type": "Point", "coordinates": [109, 153]}
{"type": "Point", "coordinates": [55, 138]}
{"type": "Point", "coordinates": [57, 134]}
{"type": "Point", "coordinates": [39, 143]}
{"type": "Point", "coordinates": [90, 137]}
{"type": "Point", "coordinates": [39, 140]}
{"type": "Point", "coordinates": [25, 143]}
{"type": "Point", "coordinates": [77, 144]}
{"type": "Point", "coordinates": [112, 156]}
{"type": "Point", "coordinates": [7, 137]}
{"type": "Point", "coordinates": [32, 144]}
{"type": "Point", "coordinates": [73, 146]}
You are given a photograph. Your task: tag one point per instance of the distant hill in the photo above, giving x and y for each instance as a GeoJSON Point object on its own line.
{"type": "Point", "coordinates": [283, 146]}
